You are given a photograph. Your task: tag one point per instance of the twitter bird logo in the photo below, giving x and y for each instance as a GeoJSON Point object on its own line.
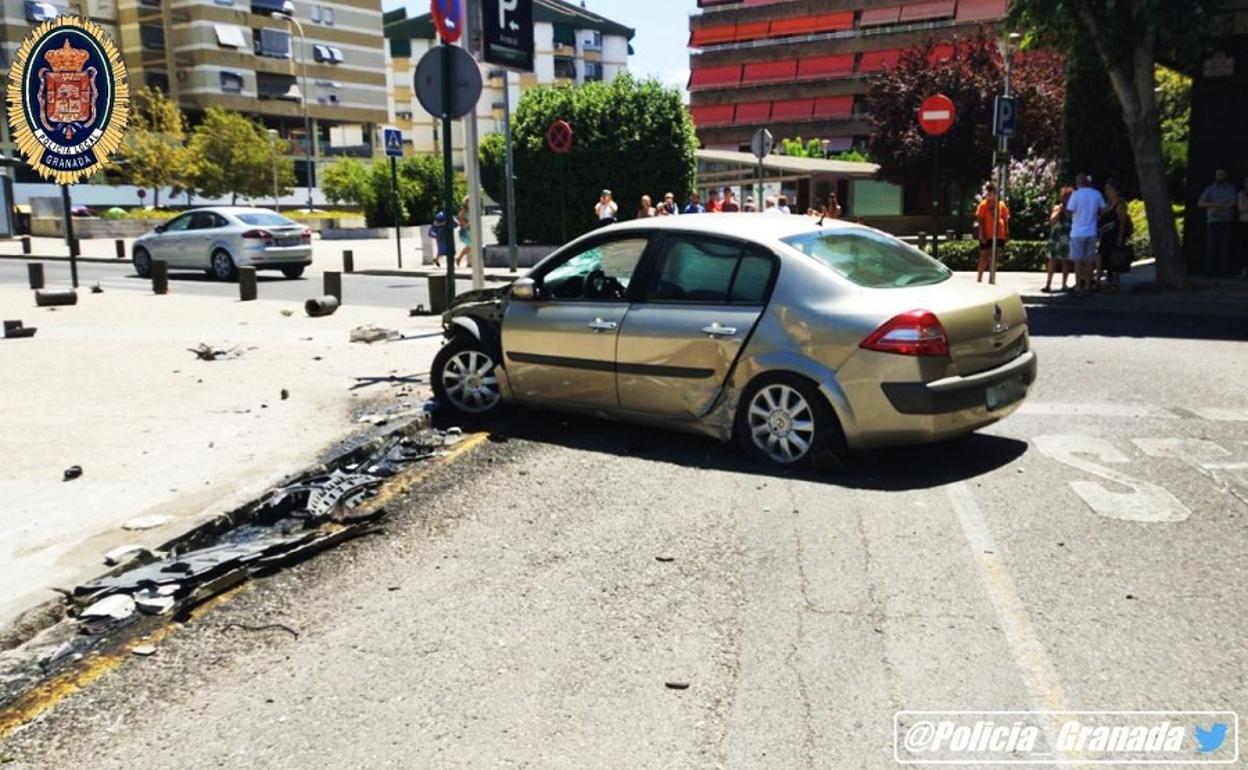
{"type": "Point", "coordinates": [1209, 741]}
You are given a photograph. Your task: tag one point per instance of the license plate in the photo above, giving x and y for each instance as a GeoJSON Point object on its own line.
{"type": "Point", "coordinates": [287, 241]}
{"type": "Point", "coordinates": [1005, 393]}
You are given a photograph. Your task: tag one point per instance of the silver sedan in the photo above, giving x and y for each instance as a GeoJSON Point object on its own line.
{"type": "Point", "coordinates": [221, 239]}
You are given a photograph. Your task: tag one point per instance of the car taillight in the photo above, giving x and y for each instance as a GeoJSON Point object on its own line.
{"type": "Point", "coordinates": [916, 333]}
{"type": "Point", "coordinates": [263, 235]}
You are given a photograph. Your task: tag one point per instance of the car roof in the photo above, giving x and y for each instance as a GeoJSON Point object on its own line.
{"type": "Point", "coordinates": [749, 226]}
{"type": "Point", "coordinates": [234, 210]}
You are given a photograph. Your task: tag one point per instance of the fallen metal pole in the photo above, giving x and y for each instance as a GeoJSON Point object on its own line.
{"type": "Point", "coordinates": [321, 306]}
{"type": "Point", "coordinates": [56, 297]}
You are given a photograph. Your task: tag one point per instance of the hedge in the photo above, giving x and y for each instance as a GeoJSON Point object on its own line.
{"type": "Point", "coordinates": [1021, 256]}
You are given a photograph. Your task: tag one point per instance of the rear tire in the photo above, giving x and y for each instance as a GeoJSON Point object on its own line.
{"type": "Point", "coordinates": [293, 271]}
{"type": "Point", "coordinates": [465, 378]}
{"type": "Point", "coordinates": [223, 268]}
{"type": "Point", "coordinates": [784, 420]}
{"type": "Point", "coordinates": [142, 262]}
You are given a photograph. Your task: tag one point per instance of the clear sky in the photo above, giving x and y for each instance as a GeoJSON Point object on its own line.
{"type": "Point", "coordinates": [661, 42]}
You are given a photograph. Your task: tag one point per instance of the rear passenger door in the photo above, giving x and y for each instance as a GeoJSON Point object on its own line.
{"type": "Point", "coordinates": [701, 298]}
{"type": "Point", "coordinates": [203, 231]}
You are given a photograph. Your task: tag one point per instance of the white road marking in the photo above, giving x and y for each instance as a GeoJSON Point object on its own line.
{"type": "Point", "coordinates": [1206, 457]}
{"type": "Point", "coordinates": [1222, 414]}
{"type": "Point", "coordinates": [1147, 502]}
{"type": "Point", "coordinates": [1039, 674]}
{"type": "Point", "coordinates": [1134, 411]}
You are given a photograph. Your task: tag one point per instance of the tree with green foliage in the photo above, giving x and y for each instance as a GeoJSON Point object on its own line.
{"type": "Point", "coordinates": [370, 187]}
{"type": "Point", "coordinates": [154, 153]}
{"type": "Point", "coordinates": [235, 157]}
{"type": "Point", "coordinates": [1127, 35]}
{"type": "Point", "coordinates": [493, 157]}
{"type": "Point", "coordinates": [348, 180]}
{"type": "Point", "coordinates": [1174, 101]}
{"type": "Point", "coordinates": [633, 137]}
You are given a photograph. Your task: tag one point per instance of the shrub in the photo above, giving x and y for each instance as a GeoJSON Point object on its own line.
{"type": "Point", "coordinates": [1139, 219]}
{"type": "Point", "coordinates": [1032, 194]}
{"type": "Point", "coordinates": [1021, 256]}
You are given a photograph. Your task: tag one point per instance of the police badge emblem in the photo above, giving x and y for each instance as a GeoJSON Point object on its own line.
{"type": "Point", "coordinates": [69, 99]}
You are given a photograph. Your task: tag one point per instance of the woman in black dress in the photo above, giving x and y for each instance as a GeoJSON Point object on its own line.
{"type": "Point", "coordinates": [1115, 229]}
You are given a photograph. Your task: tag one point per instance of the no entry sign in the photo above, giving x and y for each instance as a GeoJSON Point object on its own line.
{"type": "Point", "coordinates": [559, 137]}
{"type": "Point", "coordinates": [937, 115]}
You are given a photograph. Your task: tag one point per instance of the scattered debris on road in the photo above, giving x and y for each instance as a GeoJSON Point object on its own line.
{"type": "Point", "coordinates": [285, 394]}
{"type": "Point", "coordinates": [206, 352]}
{"type": "Point", "coordinates": [72, 472]}
{"type": "Point", "coordinates": [319, 307]}
{"type": "Point", "coordinates": [55, 297]}
{"type": "Point", "coordinates": [370, 334]}
{"type": "Point", "coordinates": [14, 330]}
{"type": "Point", "coordinates": [287, 312]}
{"type": "Point", "coordinates": [266, 627]}
{"type": "Point", "coordinates": [97, 288]}
{"type": "Point", "coordinates": [145, 522]}
{"type": "Point", "coordinates": [676, 685]}
{"type": "Point", "coordinates": [144, 650]}
{"type": "Point", "coordinates": [123, 553]}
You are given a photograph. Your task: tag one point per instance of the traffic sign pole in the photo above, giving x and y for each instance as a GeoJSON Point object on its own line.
{"type": "Point", "coordinates": [448, 168]}
{"type": "Point", "coordinates": [398, 217]}
{"type": "Point", "coordinates": [936, 140]}
{"type": "Point", "coordinates": [937, 114]}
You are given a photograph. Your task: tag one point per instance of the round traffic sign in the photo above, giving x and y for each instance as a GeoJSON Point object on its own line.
{"type": "Point", "coordinates": [937, 115]}
{"type": "Point", "coordinates": [448, 17]}
{"type": "Point", "coordinates": [465, 81]}
{"type": "Point", "coordinates": [559, 137]}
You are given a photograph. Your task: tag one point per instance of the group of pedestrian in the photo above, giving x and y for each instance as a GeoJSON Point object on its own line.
{"type": "Point", "coordinates": [1089, 237]}
{"type": "Point", "coordinates": [1226, 227]}
{"type": "Point", "coordinates": [607, 211]}
{"type": "Point", "coordinates": [442, 233]}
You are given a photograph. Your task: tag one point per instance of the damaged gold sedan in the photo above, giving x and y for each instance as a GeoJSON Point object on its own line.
{"type": "Point", "coordinates": [788, 335]}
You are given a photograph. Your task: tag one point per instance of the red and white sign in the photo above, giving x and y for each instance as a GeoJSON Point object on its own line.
{"type": "Point", "coordinates": [448, 18]}
{"type": "Point", "coordinates": [559, 137]}
{"type": "Point", "coordinates": [937, 115]}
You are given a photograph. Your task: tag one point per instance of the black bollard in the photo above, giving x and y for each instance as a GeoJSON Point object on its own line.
{"type": "Point", "coordinates": [321, 306]}
{"type": "Point", "coordinates": [160, 276]}
{"type": "Point", "coordinates": [55, 297]}
{"type": "Point", "coordinates": [25, 244]}
{"type": "Point", "coordinates": [121, 248]}
{"type": "Point", "coordinates": [75, 248]}
{"type": "Point", "coordinates": [333, 284]}
{"type": "Point", "coordinates": [348, 261]}
{"type": "Point", "coordinates": [246, 284]}
{"type": "Point", "coordinates": [35, 271]}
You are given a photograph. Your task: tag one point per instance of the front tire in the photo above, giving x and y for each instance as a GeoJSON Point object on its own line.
{"type": "Point", "coordinates": [465, 378]}
{"type": "Point", "coordinates": [293, 271]}
{"type": "Point", "coordinates": [142, 262]}
{"type": "Point", "coordinates": [784, 420]}
{"type": "Point", "coordinates": [223, 268]}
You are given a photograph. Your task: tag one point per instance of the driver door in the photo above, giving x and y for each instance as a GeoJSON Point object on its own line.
{"type": "Point", "coordinates": [560, 347]}
{"type": "Point", "coordinates": [169, 244]}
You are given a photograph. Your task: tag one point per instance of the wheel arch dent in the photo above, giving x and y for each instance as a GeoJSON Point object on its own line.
{"type": "Point", "coordinates": [749, 369]}
{"type": "Point", "coordinates": [482, 331]}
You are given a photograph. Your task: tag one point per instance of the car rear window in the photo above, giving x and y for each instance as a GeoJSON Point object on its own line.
{"type": "Point", "coordinates": [265, 219]}
{"type": "Point", "coordinates": [870, 259]}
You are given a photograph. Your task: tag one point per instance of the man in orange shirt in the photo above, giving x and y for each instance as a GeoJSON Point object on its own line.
{"type": "Point", "coordinates": [990, 230]}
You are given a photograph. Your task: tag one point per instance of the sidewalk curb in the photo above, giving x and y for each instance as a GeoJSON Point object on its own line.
{"type": "Point", "coordinates": [434, 273]}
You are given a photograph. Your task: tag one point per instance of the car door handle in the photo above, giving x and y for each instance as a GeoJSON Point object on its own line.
{"type": "Point", "coordinates": [599, 325]}
{"type": "Point", "coordinates": [715, 330]}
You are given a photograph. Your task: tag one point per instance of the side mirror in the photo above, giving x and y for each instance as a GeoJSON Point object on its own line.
{"type": "Point", "coordinates": [160, 228]}
{"type": "Point", "coordinates": [524, 290]}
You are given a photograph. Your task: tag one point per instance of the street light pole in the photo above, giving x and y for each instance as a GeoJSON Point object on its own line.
{"type": "Point", "coordinates": [307, 121]}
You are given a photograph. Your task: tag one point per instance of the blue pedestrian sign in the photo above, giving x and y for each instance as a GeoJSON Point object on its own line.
{"type": "Point", "coordinates": [1005, 117]}
{"type": "Point", "coordinates": [394, 142]}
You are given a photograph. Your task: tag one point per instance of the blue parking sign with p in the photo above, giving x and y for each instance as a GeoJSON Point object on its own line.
{"type": "Point", "coordinates": [394, 142]}
{"type": "Point", "coordinates": [1005, 117]}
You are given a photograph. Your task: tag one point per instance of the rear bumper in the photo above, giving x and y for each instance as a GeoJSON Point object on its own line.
{"type": "Point", "coordinates": [957, 394]}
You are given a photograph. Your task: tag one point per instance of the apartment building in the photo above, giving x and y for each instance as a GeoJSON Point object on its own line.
{"type": "Point", "coordinates": [571, 46]}
{"type": "Point", "coordinates": [249, 56]}
{"type": "Point", "coordinates": [800, 67]}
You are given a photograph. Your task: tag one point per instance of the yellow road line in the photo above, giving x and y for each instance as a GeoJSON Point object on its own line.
{"type": "Point", "coordinates": [47, 694]}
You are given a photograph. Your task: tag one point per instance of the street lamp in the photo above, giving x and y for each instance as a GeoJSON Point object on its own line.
{"type": "Point", "coordinates": [277, 206]}
{"type": "Point", "coordinates": [1008, 46]}
{"type": "Point", "coordinates": [307, 122]}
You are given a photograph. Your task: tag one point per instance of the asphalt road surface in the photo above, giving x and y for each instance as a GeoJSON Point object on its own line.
{"type": "Point", "coordinates": [379, 291]}
{"type": "Point", "coordinates": [530, 605]}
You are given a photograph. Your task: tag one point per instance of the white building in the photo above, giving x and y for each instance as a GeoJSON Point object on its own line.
{"type": "Point", "coordinates": [571, 45]}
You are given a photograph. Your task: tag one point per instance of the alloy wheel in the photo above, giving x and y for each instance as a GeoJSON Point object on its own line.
{"type": "Point", "coordinates": [781, 423]}
{"type": "Point", "coordinates": [469, 380]}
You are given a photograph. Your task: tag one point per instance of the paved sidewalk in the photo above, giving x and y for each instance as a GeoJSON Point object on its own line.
{"type": "Point", "coordinates": [110, 385]}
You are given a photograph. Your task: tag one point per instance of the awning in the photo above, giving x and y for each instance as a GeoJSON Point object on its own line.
{"type": "Point", "coordinates": [825, 66]}
{"type": "Point", "coordinates": [769, 71]}
{"type": "Point", "coordinates": [702, 77]}
{"type": "Point", "coordinates": [726, 167]}
{"type": "Point", "coordinates": [872, 17]}
{"type": "Point", "coordinates": [873, 61]}
{"type": "Point", "coordinates": [230, 36]}
{"type": "Point", "coordinates": [933, 9]}
{"type": "Point", "coordinates": [981, 10]}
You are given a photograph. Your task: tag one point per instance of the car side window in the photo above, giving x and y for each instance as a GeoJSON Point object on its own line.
{"type": "Point", "coordinates": [601, 272]}
{"type": "Point", "coordinates": [178, 224]}
{"type": "Point", "coordinates": [203, 220]}
{"type": "Point", "coordinates": [705, 270]}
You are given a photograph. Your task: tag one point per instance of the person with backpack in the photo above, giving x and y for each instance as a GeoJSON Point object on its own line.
{"type": "Point", "coordinates": [1115, 230]}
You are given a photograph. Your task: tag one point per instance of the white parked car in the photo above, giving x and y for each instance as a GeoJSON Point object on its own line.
{"type": "Point", "coordinates": [222, 239]}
